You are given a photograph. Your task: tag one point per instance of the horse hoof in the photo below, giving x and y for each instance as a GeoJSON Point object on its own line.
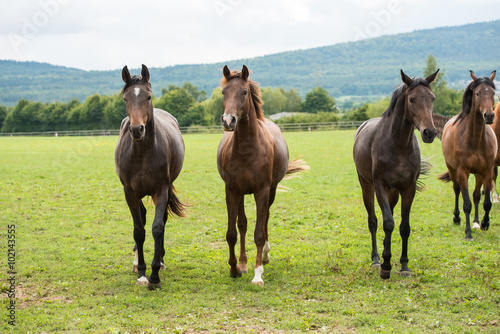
{"type": "Point", "coordinates": [384, 274]}
{"type": "Point", "coordinates": [242, 269]}
{"type": "Point", "coordinates": [485, 226]}
{"type": "Point", "coordinates": [469, 238]}
{"type": "Point", "coordinates": [142, 280]}
{"type": "Point", "coordinates": [476, 226]}
{"type": "Point", "coordinates": [405, 273]}
{"type": "Point", "coordinates": [235, 273]}
{"type": "Point", "coordinates": [153, 286]}
{"type": "Point", "coordinates": [259, 283]}
{"type": "Point", "coordinates": [375, 265]}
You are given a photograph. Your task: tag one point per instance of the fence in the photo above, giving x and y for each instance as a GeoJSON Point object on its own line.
{"type": "Point", "coordinates": [288, 127]}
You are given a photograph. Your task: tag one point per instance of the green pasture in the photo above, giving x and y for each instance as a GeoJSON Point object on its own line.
{"type": "Point", "coordinates": [74, 249]}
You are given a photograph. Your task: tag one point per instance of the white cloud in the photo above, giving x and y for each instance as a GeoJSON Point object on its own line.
{"type": "Point", "coordinates": [96, 34]}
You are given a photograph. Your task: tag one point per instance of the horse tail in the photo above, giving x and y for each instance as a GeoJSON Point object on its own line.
{"type": "Point", "coordinates": [296, 167]}
{"type": "Point", "coordinates": [425, 168]}
{"type": "Point", "coordinates": [445, 177]}
{"type": "Point", "coordinates": [174, 205]}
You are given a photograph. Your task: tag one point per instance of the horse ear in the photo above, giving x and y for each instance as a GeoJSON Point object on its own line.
{"type": "Point", "coordinates": [226, 72]}
{"type": "Point", "coordinates": [492, 75]}
{"type": "Point", "coordinates": [472, 75]}
{"type": "Point", "coordinates": [244, 73]}
{"type": "Point", "coordinates": [432, 77]}
{"type": "Point", "coordinates": [406, 79]}
{"type": "Point", "coordinates": [125, 74]}
{"type": "Point", "coordinates": [145, 73]}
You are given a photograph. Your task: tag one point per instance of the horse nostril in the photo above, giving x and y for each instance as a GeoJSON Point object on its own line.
{"type": "Point", "coordinates": [141, 128]}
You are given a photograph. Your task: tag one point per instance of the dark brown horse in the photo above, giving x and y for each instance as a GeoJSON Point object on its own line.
{"type": "Point", "coordinates": [148, 157]}
{"type": "Point", "coordinates": [496, 128]}
{"type": "Point", "coordinates": [469, 146]}
{"type": "Point", "coordinates": [252, 158]}
{"type": "Point", "coordinates": [439, 123]}
{"type": "Point", "coordinates": [388, 162]}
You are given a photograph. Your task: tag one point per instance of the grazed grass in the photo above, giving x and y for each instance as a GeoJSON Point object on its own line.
{"type": "Point", "coordinates": [74, 259]}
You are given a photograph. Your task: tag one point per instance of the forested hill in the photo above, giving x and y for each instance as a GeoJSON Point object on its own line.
{"type": "Point", "coordinates": [362, 68]}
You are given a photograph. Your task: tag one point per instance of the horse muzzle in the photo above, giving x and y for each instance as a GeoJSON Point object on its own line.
{"type": "Point", "coordinates": [228, 122]}
{"type": "Point", "coordinates": [428, 135]}
{"type": "Point", "coordinates": [137, 132]}
{"type": "Point", "coordinates": [489, 117]}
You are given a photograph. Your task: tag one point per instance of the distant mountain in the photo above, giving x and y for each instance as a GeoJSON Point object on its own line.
{"type": "Point", "coordinates": [363, 68]}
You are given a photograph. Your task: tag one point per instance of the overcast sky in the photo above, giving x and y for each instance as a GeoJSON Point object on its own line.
{"type": "Point", "coordinates": [108, 34]}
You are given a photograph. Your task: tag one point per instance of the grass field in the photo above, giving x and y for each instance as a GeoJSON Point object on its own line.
{"type": "Point", "coordinates": [74, 249]}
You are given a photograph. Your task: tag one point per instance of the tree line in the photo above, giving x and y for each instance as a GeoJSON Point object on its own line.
{"type": "Point", "coordinates": [187, 103]}
{"type": "Point", "coordinates": [193, 107]}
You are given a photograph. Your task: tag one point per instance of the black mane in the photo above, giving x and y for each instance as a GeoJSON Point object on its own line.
{"type": "Point", "coordinates": [400, 91]}
{"type": "Point", "coordinates": [134, 80]}
{"type": "Point", "coordinates": [467, 98]}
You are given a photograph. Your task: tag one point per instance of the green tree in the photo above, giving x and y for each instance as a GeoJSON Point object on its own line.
{"type": "Point", "coordinates": [293, 100]}
{"type": "Point", "coordinates": [177, 102]}
{"type": "Point", "coordinates": [215, 106]}
{"type": "Point", "coordinates": [448, 101]}
{"type": "Point", "coordinates": [274, 100]}
{"type": "Point", "coordinates": [318, 100]}
{"type": "Point", "coordinates": [358, 114]}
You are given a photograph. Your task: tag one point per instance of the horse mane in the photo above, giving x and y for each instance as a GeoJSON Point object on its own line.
{"type": "Point", "coordinates": [256, 94]}
{"type": "Point", "coordinates": [467, 98]}
{"type": "Point", "coordinates": [134, 80]}
{"type": "Point", "coordinates": [400, 91]}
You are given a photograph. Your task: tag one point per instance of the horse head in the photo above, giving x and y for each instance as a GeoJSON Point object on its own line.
{"type": "Point", "coordinates": [137, 94]}
{"type": "Point", "coordinates": [483, 96]}
{"type": "Point", "coordinates": [237, 91]}
{"type": "Point", "coordinates": [418, 101]}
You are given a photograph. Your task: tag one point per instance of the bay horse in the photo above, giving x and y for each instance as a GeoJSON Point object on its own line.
{"type": "Point", "coordinates": [148, 158]}
{"type": "Point", "coordinates": [252, 158]}
{"type": "Point", "coordinates": [496, 128]}
{"type": "Point", "coordinates": [469, 146]}
{"type": "Point", "coordinates": [387, 157]}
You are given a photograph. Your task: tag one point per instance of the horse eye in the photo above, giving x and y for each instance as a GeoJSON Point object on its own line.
{"type": "Point", "coordinates": [245, 92]}
{"type": "Point", "coordinates": [222, 92]}
{"type": "Point", "coordinates": [149, 98]}
{"type": "Point", "coordinates": [412, 100]}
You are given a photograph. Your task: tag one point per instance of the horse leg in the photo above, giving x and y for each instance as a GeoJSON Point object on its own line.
{"type": "Point", "coordinates": [476, 197]}
{"type": "Point", "coordinates": [158, 230]}
{"type": "Point", "coordinates": [242, 228]}
{"type": "Point", "coordinates": [232, 203]}
{"type": "Point", "coordinates": [463, 178]}
{"type": "Point", "coordinates": [262, 201]}
{"type": "Point", "coordinates": [267, 246]}
{"type": "Point", "coordinates": [404, 229]}
{"type": "Point", "coordinates": [456, 212]}
{"type": "Point", "coordinates": [494, 194]}
{"type": "Point", "coordinates": [134, 203]}
{"type": "Point", "coordinates": [136, 252]}
{"type": "Point", "coordinates": [388, 225]}
{"type": "Point", "coordinates": [485, 223]}
{"type": "Point", "coordinates": [369, 201]}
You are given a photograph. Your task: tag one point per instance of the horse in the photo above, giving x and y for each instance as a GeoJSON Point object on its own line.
{"type": "Point", "coordinates": [439, 123]}
{"type": "Point", "coordinates": [252, 158]}
{"type": "Point", "coordinates": [148, 157]}
{"type": "Point", "coordinates": [469, 146]}
{"type": "Point", "coordinates": [496, 128]}
{"type": "Point", "coordinates": [387, 157]}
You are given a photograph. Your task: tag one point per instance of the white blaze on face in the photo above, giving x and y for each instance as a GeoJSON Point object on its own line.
{"type": "Point", "coordinates": [258, 275]}
{"type": "Point", "coordinates": [137, 91]}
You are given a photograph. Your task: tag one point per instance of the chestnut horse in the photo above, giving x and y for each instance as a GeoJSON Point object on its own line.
{"type": "Point", "coordinates": [148, 158]}
{"type": "Point", "coordinates": [387, 157]}
{"type": "Point", "coordinates": [252, 158]}
{"type": "Point", "coordinates": [469, 146]}
{"type": "Point", "coordinates": [496, 128]}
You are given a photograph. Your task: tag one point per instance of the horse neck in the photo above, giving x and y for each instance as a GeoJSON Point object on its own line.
{"type": "Point", "coordinates": [476, 126]}
{"type": "Point", "coordinates": [247, 127]}
{"type": "Point", "coordinates": [401, 129]}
